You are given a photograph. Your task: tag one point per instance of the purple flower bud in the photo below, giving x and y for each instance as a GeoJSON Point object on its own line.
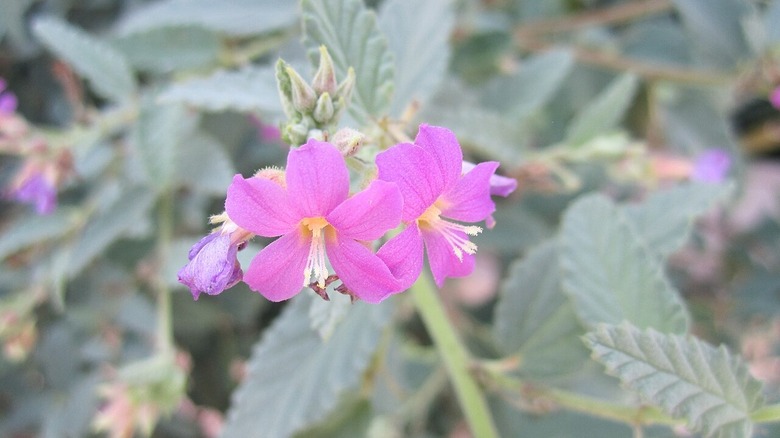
{"type": "Point", "coordinates": [8, 103]}
{"type": "Point", "coordinates": [774, 98]}
{"type": "Point", "coordinates": [213, 266]}
{"type": "Point", "coordinates": [37, 190]}
{"type": "Point", "coordinates": [711, 166]}
{"type": "Point", "coordinates": [499, 185]}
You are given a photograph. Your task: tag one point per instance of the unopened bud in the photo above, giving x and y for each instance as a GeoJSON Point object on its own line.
{"type": "Point", "coordinates": [303, 97]}
{"type": "Point", "coordinates": [348, 141]}
{"type": "Point", "coordinates": [294, 134]}
{"type": "Point", "coordinates": [325, 78]}
{"type": "Point", "coordinates": [347, 85]}
{"type": "Point", "coordinates": [323, 111]}
{"type": "Point", "coordinates": [284, 86]}
{"type": "Point", "coordinates": [316, 134]}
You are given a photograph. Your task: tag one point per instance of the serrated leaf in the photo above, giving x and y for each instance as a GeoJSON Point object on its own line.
{"type": "Point", "coordinates": [231, 17]}
{"type": "Point", "coordinates": [534, 318]}
{"type": "Point", "coordinates": [157, 137]}
{"type": "Point", "coordinates": [28, 230]}
{"type": "Point", "coordinates": [665, 218]}
{"type": "Point", "coordinates": [295, 379]}
{"type": "Point", "coordinates": [107, 227]}
{"type": "Point", "coordinates": [610, 274]}
{"type": "Point", "coordinates": [526, 91]}
{"type": "Point", "coordinates": [604, 112]}
{"type": "Point", "coordinates": [204, 165]}
{"type": "Point", "coordinates": [349, 30]}
{"type": "Point", "coordinates": [325, 316]}
{"type": "Point", "coordinates": [166, 49]}
{"type": "Point", "coordinates": [710, 388]}
{"type": "Point", "coordinates": [102, 65]}
{"type": "Point", "coordinates": [249, 89]}
{"type": "Point", "coordinates": [417, 34]}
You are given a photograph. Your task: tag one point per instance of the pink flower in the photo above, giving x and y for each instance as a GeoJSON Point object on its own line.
{"type": "Point", "coordinates": [774, 97]}
{"type": "Point", "coordinates": [314, 217]}
{"type": "Point", "coordinates": [8, 100]}
{"type": "Point", "coordinates": [213, 265]}
{"type": "Point", "coordinates": [436, 193]}
{"type": "Point", "coordinates": [499, 185]}
{"type": "Point", "coordinates": [711, 166]}
{"type": "Point", "coordinates": [33, 186]}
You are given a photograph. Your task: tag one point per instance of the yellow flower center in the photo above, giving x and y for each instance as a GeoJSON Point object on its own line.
{"type": "Point", "coordinates": [431, 220]}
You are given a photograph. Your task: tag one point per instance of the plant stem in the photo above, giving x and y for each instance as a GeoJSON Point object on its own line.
{"type": "Point", "coordinates": [164, 237]}
{"type": "Point", "coordinates": [767, 414]}
{"type": "Point", "coordinates": [455, 357]}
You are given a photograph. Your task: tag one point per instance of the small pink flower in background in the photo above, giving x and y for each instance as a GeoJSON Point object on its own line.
{"type": "Point", "coordinates": [313, 216]}
{"type": "Point", "coordinates": [436, 193]}
{"type": "Point", "coordinates": [35, 184]}
{"type": "Point", "coordinates": [8, 101]}
{"type": "Point", "coordinates": [266, 132]}
{"type": "Point", "coordinates": [711, 166]}
{"type": "Point", "coordinates": [774, 97]}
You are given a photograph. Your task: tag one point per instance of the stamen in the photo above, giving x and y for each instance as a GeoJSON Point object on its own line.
{"type": "Point", "coordinates": [431, 218]}
{"type": "Point", "coordinates": [315, 262]}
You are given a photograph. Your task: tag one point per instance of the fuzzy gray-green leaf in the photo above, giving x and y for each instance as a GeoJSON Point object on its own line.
{"type": "Point", "coordinates": [604, 112]}
{"type": "Point", "coordinates": [101, 64]}
{"type": "Point", "coordinates": [710, 388]}
{"type": "Point", "coordinates": [610, 273]}
{"type": "Point", "coordinates": [167, 49]}
{"type": "Point", "coordinates": [350, 32]}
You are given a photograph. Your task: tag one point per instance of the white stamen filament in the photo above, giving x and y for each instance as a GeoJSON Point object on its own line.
{"type": "Point", "coordinates": [448, 229]}
{"type": "Point", "coordinates": [315, 262]}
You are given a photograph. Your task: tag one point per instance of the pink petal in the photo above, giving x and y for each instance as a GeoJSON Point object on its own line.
{"type": "Point", "coordinates": [414, 170]}
{"type": "Point", "coordinates": [403, 255]}
{"type": "Point", "coordinates": [260, 206]}
{"type": "Point", "coordinates": [277, 270]}
{"type": "Point", "coordinates": [317, 178]}
{"type": "Point", "coordinates": [442, 144]}
{"type": "Point", "coordinates": [469, 199]}
{"type": "Point", "coordinates": [361, 271]}
{"type": "Point", "coordinates": [442, 259]}
{"type": "Point", "coordinates": [369, 214]}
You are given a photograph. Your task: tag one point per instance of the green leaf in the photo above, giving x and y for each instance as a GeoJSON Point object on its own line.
{"type": "Point", "coordinates": [665, 218]}
{"type": "Point", "coordinates": [28, 230]}
{"type": "Point", "coordinates": [295, 378]}
{"type": "Point", "coordinates": [325, 316]}
{"type": "Point", "coordinates": [230, 17]}
{"type": "Point", "coordinates": [534, 318]}
{"type": "Point", "coordinates": [101, 64]}
{"type": "Point", "coordinates": [716, 31]}
{"type": "Point", "coordinates": [523, 93]}
{"type": "Point", "coordinates": [204, 165]}
{"type": "Point", "coordinates": [249, 89]}
{"type": "Point", "coordinates": [167, 49]}
{"type": "Point", "coordinates": [349, 30]}
{"type": "Point", "coordinates": [108, 226]}
{"type": "Point", "coordinates": [604, 112]}
{"type": "Point", "coordinates": [417, 34]}
{"type": "Point", "coordinates": [710, 388]}
{"type": "Point", "coordinates": [610, 274]}
{"type": "Point", "coordinates": [157, 136]}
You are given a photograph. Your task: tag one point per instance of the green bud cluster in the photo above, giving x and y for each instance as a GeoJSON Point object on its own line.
{"type": "Point", "coordinates": [312, 109]}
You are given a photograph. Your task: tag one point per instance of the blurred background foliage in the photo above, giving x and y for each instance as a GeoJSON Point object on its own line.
{"type": "Point", "coordinates": [156, 104]}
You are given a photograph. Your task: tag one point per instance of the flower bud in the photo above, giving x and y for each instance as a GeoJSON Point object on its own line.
{"type": "Point", "coordinates": [295, 133]}
{"type": "Point", "coordinates": [283, 84]}
{"type": "Point", "coordinates": [325, 78]}
{"type": "Point", "coordinates": [323, 111]}
{"type": "Point", "coordinates": [346, 86]}
{"type": "Point", "coordinates": [348, 141]}
{"type": "Point", "coordinates": [303, 97]}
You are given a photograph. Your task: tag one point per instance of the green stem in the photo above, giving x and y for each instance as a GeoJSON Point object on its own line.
{"type": "Point", "coordinates": [164, 237]}
{"type": "Point", "coordinates": [767, 414]}
{"type": "Point", "coordinates": [455, 357]}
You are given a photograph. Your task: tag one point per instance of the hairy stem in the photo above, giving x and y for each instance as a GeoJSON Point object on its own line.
{"type": "Point", "coordinates": [455, 357]}
{"type": "Point", "coordinates": [164, 237]}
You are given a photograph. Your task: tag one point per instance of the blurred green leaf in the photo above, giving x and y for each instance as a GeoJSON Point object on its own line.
{"type": "Point", "coordinates": [325, 316]}
{"type": "Point", "coordinates": [417, 34]}
{"type": "Point", "coordinates": [534, 318]}
{"type": "Point", "coordinates": [350, 32]}
{"type": "Point", "coordinates": [167, 49]}
{"type": "Point", "coordinates": [716, 31]}
{"type": "Point", "coordinates": [248, 89]}
{"type": "Point", "coordinates": [203, 164]}
{"type": "Point", "coordinates": [157, 138]}
{"type": "Point", "coordinates": [102, 65]}
{"type": "Point", "coordinates": [295, 379]}
{"type": "Point", "coordinates": [28, 230]}
{"type": "Point", "coordinates": [710, 388]}
{"type": "Point", "coordinates": [610, 273]}
{"type": "Point", "coordinates": [664, 220]}
{"type": "Point", "coordinates": [771, 18]}
{"type": "Point", "coordinates": [231, 17]}
{"type": "Point", "coordinates": [604, 112]}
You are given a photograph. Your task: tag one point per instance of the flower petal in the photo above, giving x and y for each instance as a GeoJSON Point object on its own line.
{"type": "Point", "coordinates": [499, 185]}
{"type": "Point", "coordinates": [444, 147]}
{"type": "Point", "coordinates": [213, 266]}
{"type": "Point", "coordinates": [414, 170]}
{"type": "Point", "coordinates": [442, 259]}
{"type": "Point", "coordinates": [361, 271]}
{"type": "Point", "coordinates": [403, 255]}
{"type": "Point", "coordinates": [369, 214]}
{"type": "Point", "coordinates": [260, 206]}
{"type": "Point", "coordinates": [469, 199]}
{"type": "Point", "coordinates": [317, 178]}
{"type": "Point", "coordinates": [277, 270]}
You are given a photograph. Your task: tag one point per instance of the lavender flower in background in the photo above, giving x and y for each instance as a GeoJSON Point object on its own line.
{"type": "Point", "coordinates": [711, 166]}
{"type": "Point", "coordinates": [499, 185]}
{"type": "Point", "coordinates": [213, 265]}
{"type": "Point", "coordinates": [33, 186]}
{"type": "Point", "coordinates": [8, 101]}
{"type": "Point", "coordinates": [774, 97]}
